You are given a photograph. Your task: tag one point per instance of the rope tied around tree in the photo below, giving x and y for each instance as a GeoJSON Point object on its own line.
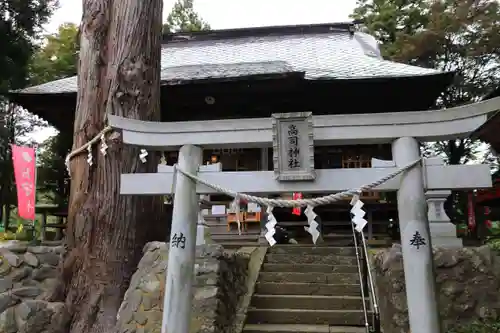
{"type": "Point", "coordinates": [85, 147]}
{"type": "Point", "coordinates": [324, 200]}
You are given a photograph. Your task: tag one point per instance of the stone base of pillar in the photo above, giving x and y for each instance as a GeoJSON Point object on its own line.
{"type": "Point", "coordinates": [202, 231]}
{"type": "Point", "coordinates": [203, 235]}
{"type": "Point", "coordinates": [262, 238]}
{"type": "Point", "coordinates": [444, 234]}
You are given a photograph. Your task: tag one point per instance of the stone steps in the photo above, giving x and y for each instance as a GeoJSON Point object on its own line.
{"type": "Point", "coordinates": [312, 250]}
{"type": "Point", "coordinates": [308, 289]}
{"type": "Point", "coordinates": [299, 259]}
{"type": "Point", "coordinates": [304, 268]}
{"type": "Point", "coordinates": [237, 245]}
{"type": "Point", "coordinates": [306, 302]}
{"type": "Point", "coordinates": [234, 238]}
{"type": "Point", "coordinates": [306, 317]}
{"type": "Point", "coordinates": [309, 277]}
{"type": "Point", "coordinates": [270, 328]}
{"type": "Point", "coordinates": [277, 288]}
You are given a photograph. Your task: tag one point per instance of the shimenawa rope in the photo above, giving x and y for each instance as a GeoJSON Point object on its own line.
{"type": "Point", "coordinates": [328, 199]}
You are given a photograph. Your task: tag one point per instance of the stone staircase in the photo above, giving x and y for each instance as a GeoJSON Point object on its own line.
{"type": "Point", "coordinates": [306, 289]}
{"type": "Point", "coordinates": [231, 239]}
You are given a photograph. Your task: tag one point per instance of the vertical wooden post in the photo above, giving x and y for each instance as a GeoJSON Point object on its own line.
{"type": "Point", "coordinates": [264, 159]}
{"type": "Point", "coordinates": [415, 241]}
{"type": "Point", "coordinates": [181, 257]}
{"type": "Point", "coordinates": [43, 226]}
{"type": "Point", "coordinates": [369, 218]}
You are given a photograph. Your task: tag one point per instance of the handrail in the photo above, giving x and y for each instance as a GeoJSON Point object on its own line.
{"type": "Point", "coordinates": [365, 312]}
{"type": "Point", "coordinates": [367, 283]}
{"type": "Point", "coordinates": [371, 286]}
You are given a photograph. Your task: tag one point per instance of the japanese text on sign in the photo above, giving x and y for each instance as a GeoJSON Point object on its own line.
{"type": "Point", "coordinates": [24, 172]}
{"type": "Point", "coordinates": [293, 147]}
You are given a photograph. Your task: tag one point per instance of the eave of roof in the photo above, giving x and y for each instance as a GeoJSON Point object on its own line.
{"type": "Point", "coordinates": [322, 52]}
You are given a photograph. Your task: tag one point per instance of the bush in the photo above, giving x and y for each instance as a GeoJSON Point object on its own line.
{"type": "Point", "coordinates": [494, 244]}
{"type": "Point", "coordinates": [20, 236]}
{"type": "Point", "coordinates": [478, 327]}
{"type": "Point", "coordinates": [26, 234]}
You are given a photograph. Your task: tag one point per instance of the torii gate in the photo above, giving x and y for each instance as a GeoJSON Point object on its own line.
{"type": "Point", "coordinates": [402, 130]}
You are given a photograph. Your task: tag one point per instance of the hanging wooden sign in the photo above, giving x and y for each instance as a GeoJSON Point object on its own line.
{"type": "Point", "coordinates": [293, 146]}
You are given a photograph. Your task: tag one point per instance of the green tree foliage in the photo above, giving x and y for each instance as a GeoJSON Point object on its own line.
{"type": "Point", "coordinates": [20, 27]}
{"type": "Point", "coordinates": [451, 35]}
{"type": "Point", "coordinates": [52, 177]}
{"type": "Point", "coordinates": [478, 327]}
{"type": "Point", "coordinates": [57, 59]}
{"type": "Point", "coordinates": [183, 18]}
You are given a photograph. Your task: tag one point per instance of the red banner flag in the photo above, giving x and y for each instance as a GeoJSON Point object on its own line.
{"type": "Point", "coordinates": [24, 159]}
{"type": "Point", "coordinates": [471, 220]}
{"type": "Point", "coordinates": [297, 211]}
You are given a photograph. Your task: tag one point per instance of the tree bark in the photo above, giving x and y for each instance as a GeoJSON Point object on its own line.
{"type": "Point", "coordinates": [119, 73]}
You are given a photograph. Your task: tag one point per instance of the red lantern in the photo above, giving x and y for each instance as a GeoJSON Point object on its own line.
{"type": "Point", "coordinates": [297, 210]}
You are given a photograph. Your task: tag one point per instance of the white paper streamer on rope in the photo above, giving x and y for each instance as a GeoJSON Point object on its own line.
{"type": "Point", "coordinates": [163, 160]}
{"type": "Point", "coordinates": [313, 225]}
{"type": "Point", "coordinates": [66, 162]}
{"type": "Point", "coordinates": [89, 155]}
{"type": "Point", "coordinates": [270, 226]}
{"type": "Point", "coordinates": [104, 146]}
{"type": "Point", "coordinates": [143, 155]}
{"type": "Point", "coordinates": [358, 213]}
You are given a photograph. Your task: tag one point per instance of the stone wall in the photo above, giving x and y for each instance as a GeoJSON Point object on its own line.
{"type": "Point", "coordinates": [220, 282]}
{"type": "Point", "coordinates": [468, 284]}
{"type": "Point", "coordinates": [26, 273]}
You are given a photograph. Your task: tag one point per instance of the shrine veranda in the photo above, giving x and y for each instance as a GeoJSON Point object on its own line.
{"type": "Point", "coordinates": [292, 137]}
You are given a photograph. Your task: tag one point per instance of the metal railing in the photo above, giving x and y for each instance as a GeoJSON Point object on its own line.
{"type": "Point", "coordinates": [367, 284]}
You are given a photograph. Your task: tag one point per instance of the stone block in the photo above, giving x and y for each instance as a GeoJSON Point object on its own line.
{"type": "Point", "coordinates": [26, 272]}
{"type": "Point", "coordinates": [219, 282]}
{"type": "Point", "coordinates": [444, 234]}
{"type": "Point", "coordinates": [467, 282]}
{"type": "Point", "coordinates": [31, 259]}
{"type": "Point", "coordinates": [49, 258]}
{"type": "Point", "coordinates": [8, 321]}
{"type": "Point", "coordinates": [12, 259]}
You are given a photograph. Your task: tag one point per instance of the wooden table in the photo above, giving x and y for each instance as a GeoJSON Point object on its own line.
{"type": "Point", "coordinates": [54, 210]}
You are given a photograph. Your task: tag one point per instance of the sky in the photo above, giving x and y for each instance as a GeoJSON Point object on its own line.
{"type": "Point", "coordinates": [225, 14]}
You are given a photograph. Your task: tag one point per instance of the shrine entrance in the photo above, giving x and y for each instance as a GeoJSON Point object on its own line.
{"type": "Point", "coordinates": [292, 137]}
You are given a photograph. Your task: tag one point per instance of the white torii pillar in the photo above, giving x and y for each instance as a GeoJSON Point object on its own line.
{"type": "Point", "coordinates": [416, 241]}
{"type": "Point", "coordinates": [181, 257]}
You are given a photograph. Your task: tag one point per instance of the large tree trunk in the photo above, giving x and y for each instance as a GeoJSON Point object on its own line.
{"type": "Point", "coordinates": [119, 69]}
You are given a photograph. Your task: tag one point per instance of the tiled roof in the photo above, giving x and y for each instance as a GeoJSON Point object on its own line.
{"type": "Point", "coordinates": [180, 74]}
{"type": "Point", "coordinates": [332, 55]}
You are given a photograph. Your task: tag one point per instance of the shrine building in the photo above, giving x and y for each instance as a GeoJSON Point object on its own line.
{"type": "Point", "coordinates": [254, 72]}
